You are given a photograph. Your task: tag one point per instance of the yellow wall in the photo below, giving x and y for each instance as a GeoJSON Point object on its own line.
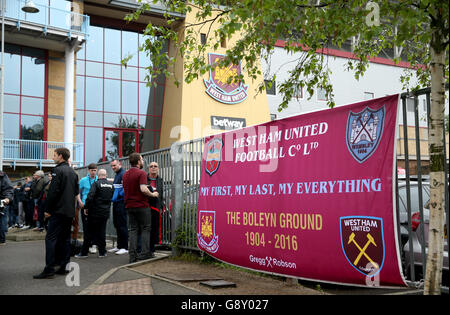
{"type": "Point", "coordinates": [190, 108]}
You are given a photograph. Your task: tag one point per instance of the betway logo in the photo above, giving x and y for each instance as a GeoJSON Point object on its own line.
{"type": "Point", "coordinates": [227, 123]}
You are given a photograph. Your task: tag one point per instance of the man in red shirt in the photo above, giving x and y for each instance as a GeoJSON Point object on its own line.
{"type": "Point", "coordinates": [136, 202]}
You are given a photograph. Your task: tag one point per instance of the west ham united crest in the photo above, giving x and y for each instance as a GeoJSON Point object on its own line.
{"type": "Point", "coordinates": [222, 85]}
{"type": "Point", "coordinates": [362, 241]}
{"type": "Point", "coordinates": [364, 131]}
{"type": "Point", "coordinates": [213, 156]}
{"type": "Point", "coordinates": [206, 234]}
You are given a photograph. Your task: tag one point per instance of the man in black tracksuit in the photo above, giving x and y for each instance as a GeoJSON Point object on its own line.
{"type": "Point", "coordinates": [97, 208]}
{"type": "Point", "coordinates": [60, 213]}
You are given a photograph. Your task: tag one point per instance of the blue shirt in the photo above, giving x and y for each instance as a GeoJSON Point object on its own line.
{"type": "Point", "coordinates": [85, 186]}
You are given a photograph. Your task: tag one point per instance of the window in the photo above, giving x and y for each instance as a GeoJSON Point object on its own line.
{"type": "Point", "coordinates": [368, 96]}
{"type": "Point", "coordinates": [112, 96]}
{"type": "Point", "coordinates": [321, 94]}
{"type": "Point", "coordinates": [270, 87]}
{"type": "Point", "coordinates": [203, 38]}
{"type": "Point", "coordinates": [24, 107]}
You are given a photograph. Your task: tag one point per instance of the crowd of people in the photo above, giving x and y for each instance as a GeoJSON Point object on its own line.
{"type": "Point", "coordinates": [57, 202]}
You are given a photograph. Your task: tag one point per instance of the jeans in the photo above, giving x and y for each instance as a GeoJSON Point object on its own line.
{"type": "Point", "coordinates": [120, 220]}
{"type": "Point", "coordinates": [140, 222]}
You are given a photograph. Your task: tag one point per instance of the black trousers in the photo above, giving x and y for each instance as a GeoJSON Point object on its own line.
{"type": "Point", "coordinates": [96, 235]}
{"type": "Point", "coordinates": [154, 234]}
{"type": "Point", "coordinates": [120, 220]}
{"type": "Point", "coordinates": [57, 242]}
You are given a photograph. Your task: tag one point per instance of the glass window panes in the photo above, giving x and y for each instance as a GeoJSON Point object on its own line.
{"type": "Point", "coordinates": [94, 44]}
{"type": "Point", "coordinates": [92, 149]}
{"type": "Point", "coordinates": [94, 93]}
{"type": "Point", "coordinates": [31, 127]}
{"type": "Point", "coordinates": [11, 126]}
{"type": "Point", "coordinates": [80, 92]}
{"type": "Point", "coordinates": [112, 46]}
{"type": "Point", "coordinates": [32, 105]}
{"type": "Point", "coordinates": [129, 97]}
{"type": "Point", "coordinates": [80, 64]}
{"type": "Point", "coordinates": [12, 103]}
{"type": "Point", "coordinates": [130, 47]}
{"type": "Point", "coordinates": [33, 80]}
{"type": "Point", "coordinates": [112, 71]}
{"type": "Point", "coordinates": [94, 69]}
{"type": "Point", "coordinates": [12, 68]}
{"type": "Point", "coordinates": [144, 99]}
{"type": "Point", "coordinates": [112, 96]}
{"type": "Point", "coordinates": [111, 120]}
{"type": "Point", "coordinates": [130, 73]}
{"type": "Point", "coordinates": [80, 118]}
{"type": "Point", "coordinates": [94, 119]}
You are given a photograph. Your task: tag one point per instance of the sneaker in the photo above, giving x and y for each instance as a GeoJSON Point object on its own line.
{"type": "Point", "coordinates": [122, 251]}
{"type": "Point", "coordinates": [25, 227]}
{"type": "Point", "coordinates": [113, 250]}
{"type": "Point", "coordinates": [102, 255]}
{"type": "Point", "coordinates": [81, 256]}
{"type": "Point", "coordinates": [93, 249]}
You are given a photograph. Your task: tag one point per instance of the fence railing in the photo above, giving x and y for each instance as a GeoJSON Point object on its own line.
{"type": "Point", "coordinates": [58, 18]}
{"type": "Point", "coordinates": [40, 151]}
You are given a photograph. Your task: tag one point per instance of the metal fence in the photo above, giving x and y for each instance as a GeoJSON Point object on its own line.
{"type": "Point", "coordinates": [180, 168]}
{"type": "Point", "coordinates": [35, 150]}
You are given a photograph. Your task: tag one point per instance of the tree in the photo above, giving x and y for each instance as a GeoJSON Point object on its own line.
{"type": "Point", "coordinates": [419, 27]}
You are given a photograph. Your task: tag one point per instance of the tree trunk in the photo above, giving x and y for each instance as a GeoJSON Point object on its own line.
{"type": "Point", "coordinates": [433, 276]}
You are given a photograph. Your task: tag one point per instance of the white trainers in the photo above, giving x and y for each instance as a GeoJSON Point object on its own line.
{"type": "Point", "coordinates": [93, 249]}
{"type": "Point", "coordinates": [113, 250]}
{"type": "Point", "coordinates": [122, 251]}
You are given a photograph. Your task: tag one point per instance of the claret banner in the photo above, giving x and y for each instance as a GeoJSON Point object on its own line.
{"type": "Point", "coordinates": [309, 196]}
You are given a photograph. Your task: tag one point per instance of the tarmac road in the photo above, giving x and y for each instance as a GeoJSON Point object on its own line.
{"type": "Point", "coordinates": [19, 261]}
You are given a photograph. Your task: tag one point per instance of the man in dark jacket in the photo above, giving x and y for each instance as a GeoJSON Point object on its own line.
{"type": "Point", "coordinates": [6, 197]}
{"type": "Point", "coordinates": [60, 211]}
{"type": "Point", "coordinates": [155, 183]}
{"type": "Point", "coordinates": [97, 208]}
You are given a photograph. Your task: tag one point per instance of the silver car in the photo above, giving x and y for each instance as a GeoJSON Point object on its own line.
{"type": "Point", "coordinates": [417, 241]}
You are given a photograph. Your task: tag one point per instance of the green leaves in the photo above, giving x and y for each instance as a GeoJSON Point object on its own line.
{"type": "Point", "coordinates": [306, 27]}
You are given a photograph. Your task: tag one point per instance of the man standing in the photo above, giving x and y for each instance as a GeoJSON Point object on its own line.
{"type": "Point", "coordinates": [6, 196]}
{"type": "Point", "coordinates": [120, 217]}
{"type": "Point", "coordinates": [61, 199]}
{"type": "Point", "coordinates": [85, 186]}
{"type": "Point", "coordinates": [155, 183]}
{"type": "Point", "coordinates": [96, 208]}
{"type": "Point", "coordinates": [37, 187]}
{"type": "Point", "coordinates": [136, 203]}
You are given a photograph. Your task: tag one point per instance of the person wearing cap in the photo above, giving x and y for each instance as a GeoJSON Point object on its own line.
{"type": "Point", "coordinates": [37, 189]}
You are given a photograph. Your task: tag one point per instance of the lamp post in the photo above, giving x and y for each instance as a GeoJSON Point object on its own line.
{"type": "Point", "coordinates": [29, 7]}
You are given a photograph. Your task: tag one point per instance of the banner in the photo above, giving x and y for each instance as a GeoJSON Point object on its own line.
{"type": "Point", "coordinates": [309, 196]}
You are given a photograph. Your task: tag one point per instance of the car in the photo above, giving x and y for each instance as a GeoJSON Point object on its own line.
{"type": "Point", "coordinates": [418, 240]}
{"type": "Point", "coordinates": [402, 204]}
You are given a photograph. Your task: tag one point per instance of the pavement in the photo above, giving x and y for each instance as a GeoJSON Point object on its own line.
{"type": "Point", "coordinates": [24, 256]}
{"type": "Point", "coordinates": [112, 275]}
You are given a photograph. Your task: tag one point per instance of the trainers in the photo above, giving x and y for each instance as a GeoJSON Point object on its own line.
{"type": "Point", "coordinates": [122, 251]}
{"type": "Point", "coordinates": [102, 255]}
{"type": "Point", "coordinates": [93, 249]}
{"type": "Point", "coordinates": [81, 256]}
{"type": "Point", "coordinates": [113, 250]}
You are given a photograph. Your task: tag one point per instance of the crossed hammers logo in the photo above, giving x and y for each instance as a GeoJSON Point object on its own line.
{"type": "Point", "coordinates": [362, 251]}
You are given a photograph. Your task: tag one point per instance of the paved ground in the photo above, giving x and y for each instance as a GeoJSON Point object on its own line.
{"type": "Point", "coordinates": [112, 275]}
